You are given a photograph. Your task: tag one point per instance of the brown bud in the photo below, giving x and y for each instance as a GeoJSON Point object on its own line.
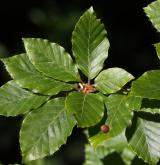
{"type": "Point", "coordinates": [104, 128]}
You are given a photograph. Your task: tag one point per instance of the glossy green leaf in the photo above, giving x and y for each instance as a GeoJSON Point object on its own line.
{"type": "Point", "coordinates": [26, 76]}
{"type": "Point", "coordinates": [15, 100]}
{"type": "Point", "coordinates": [51, 59]}
{"type": "Point", "coordinates": [88, 108]}
{"type": "Point", "coordinates": [145, 141]}
{"type": "Point", "coordinates": [148, 85]}
{"type": "Point", "coordinates": [90, 45]}
{"type": "Point", "coordinates": [119, 113]}
{"type": "Point", "coordinates": [152, 11]}
{"type": "Point", "coordinates": [45, 130]}
{"type": "Point", "coordinates": [112, 80]}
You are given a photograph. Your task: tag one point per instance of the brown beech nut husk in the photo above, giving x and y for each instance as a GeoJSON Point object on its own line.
{"type": "Point", "coordinates": [104, 128]}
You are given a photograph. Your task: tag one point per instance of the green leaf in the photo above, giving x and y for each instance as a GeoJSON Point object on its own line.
{"type": "Point", "coordinates": [150, 106]}
{"type": "Point", "coordinates": [98, 138]}
{"type": "Point", "coordinates": [90, 45]}
{"type": "Point", "coordinates": [26, 76]}
{"type": "Point", "coordinates": [157, 46]}
{"type": "Point", "coordinates": [145, 141]}
{"type": "Point", "coordinates": [106, 147]}
{"type": "Point", "coordinates": [51, 59]}
{"type": "Point", "coordinates": [127, 155]}
{"type": "Point", "coordinates": [151, 110]}
{"type": "Point", "coordinates": [45, 130]}
{"type": "Point", "coordinates": [91, 157]}
{"type": "Point", "coordinates": [119, 113]}
{"type": "Point", "coordinates": [88, 108]}
{"type": "Point", "coordinates": [112, 80]}
{"type": "Point", "coordinates": [152, 11]}
{"type": "Point", "coordinates": [15, 100]}
{"type": "Point", "coordinates": [148, 85]}
{"type": "Point", "coordinates": [101, 139]}
{"type": "Point", "coordinates": [116, 143]}
{"type": "Point", "coordinates": [134, 103]}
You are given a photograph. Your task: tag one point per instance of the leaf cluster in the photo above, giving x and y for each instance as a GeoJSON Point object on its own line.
{"type": "Point", "coordinates": [56, 91]}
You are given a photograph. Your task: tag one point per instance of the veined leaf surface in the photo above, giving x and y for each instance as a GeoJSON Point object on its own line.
{"type": "Point", "coordinates": [15, 100]}
{"type": "Point", "coordinates": [51, 59]}
{"type": "Point", "coordinates": [90, 45]}
{"type": "Point", "coordinates": [112, 80]}
{"type": "Point", "coordinates": [145, 141]}
{"type": "Point", "coordinates": [25, 75]}
{"type": "Point", "coordinates": [88, 108]}
{"type": "Point", "coordinates": [45, 130]}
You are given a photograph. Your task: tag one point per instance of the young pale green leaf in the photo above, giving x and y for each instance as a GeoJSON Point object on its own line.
{"type": "Point", "coordinates": [88, 108]}
{"type": "Point", "coordinates": [119, 113]}
{"type": "Point", "coordinates": [151, 110]}
{"type": "Point", "coordinates": [98, 139]}
{"type": "Point", "coordinates": [51, 59]}
{"type": "Point", "coordinates": [148, 85]}
{"type": "Point", "coordinates": [127, 155]}
{"type": "Point", "coordinates": [15, 100]}
{"type": "Point", "coordinates": [150, 106]}
{"type": "Point", "coordinates": [22, 70]}
{"type": "Point", "coordinates": [157, 46]}
{"type": "Point", "coordinates": [145, 141]}
{"type": "Point", "coordinates": [117, 143]}
{"type": "Point", "coordinates": [120, 109]}
{"type": "Point", "coordinates": [152, 11]}
{"type": "Point", "coordinates": [102, 139]}
{"type": "Point", "coordinates": [45, 130]}
{"type": "Point", "coordinates": [112, 80]}
{"type": "Point", "coordinates": [105, 148]}
{"type": "Point", "coordinates": [90, 45]}
{"type": "Point", "coordinates": [91, 157]}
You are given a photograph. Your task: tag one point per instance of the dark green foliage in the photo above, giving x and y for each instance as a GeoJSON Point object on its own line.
{"type": "Point", "coordinates": [47, 88]}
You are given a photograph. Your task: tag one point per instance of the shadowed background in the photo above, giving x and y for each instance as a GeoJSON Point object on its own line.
{"type": "Point", "coordinates": [131, 37]}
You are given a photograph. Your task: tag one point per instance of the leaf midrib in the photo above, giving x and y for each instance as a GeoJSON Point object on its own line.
{"type": "Point", "coordinates": [88, 50]}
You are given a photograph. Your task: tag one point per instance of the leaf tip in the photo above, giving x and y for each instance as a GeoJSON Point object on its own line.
{"type": "Point", "coordinates": [91, 10]}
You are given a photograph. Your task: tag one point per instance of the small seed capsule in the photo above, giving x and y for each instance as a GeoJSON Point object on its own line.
{"type": "Point", "coordinates": [104, 128]}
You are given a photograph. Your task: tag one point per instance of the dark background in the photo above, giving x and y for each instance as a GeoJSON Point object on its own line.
{"type": "Point", "coordinates": [131, 37]}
